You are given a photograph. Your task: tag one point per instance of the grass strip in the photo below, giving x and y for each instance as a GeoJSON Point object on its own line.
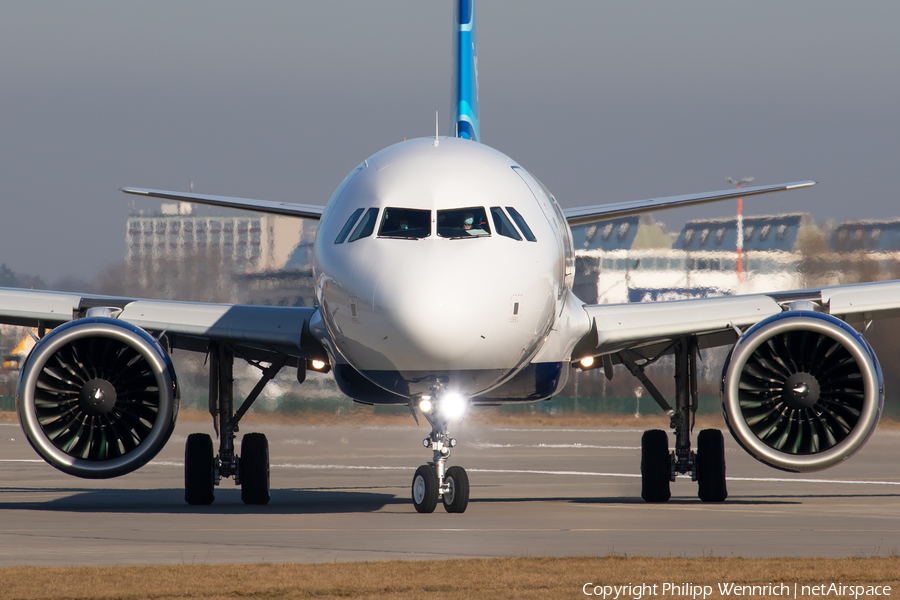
{"type": "Point", "coordinates": [524, 578]}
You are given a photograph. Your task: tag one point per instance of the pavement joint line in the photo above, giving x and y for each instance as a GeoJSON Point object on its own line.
{"type": "Point", "coordinates": [573, 446]}
{"type": "Point", "coordinates": [461, 530]}
{"type": "Point", "coordinates": [508, 471]}
{"type": "Point", "coordinates": [512, 471]}
{"type": "Point", "coordinates": [569, 430]}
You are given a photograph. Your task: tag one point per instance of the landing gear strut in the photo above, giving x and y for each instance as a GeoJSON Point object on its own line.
{"type": "Point", "coordinates": [202, 470]}
{"type": "Point", "coordinates": [659, 467]}
{"type": "Point", "coordinates": [433, 481]}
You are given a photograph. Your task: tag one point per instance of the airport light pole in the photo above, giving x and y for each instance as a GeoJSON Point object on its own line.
{"type": "Point", "coordinates": [740, 226]}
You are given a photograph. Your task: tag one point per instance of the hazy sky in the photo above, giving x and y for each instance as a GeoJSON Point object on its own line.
{"type": "Point", "coordinates": [602, 101]}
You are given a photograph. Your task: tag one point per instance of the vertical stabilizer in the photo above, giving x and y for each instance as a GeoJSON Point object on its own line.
{"type": "Point", "coordinates": [465, 122]}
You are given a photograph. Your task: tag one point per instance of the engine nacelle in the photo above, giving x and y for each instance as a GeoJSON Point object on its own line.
{"type": "Point", "coordinates": [97, 397]}
{"type": "Point", "coordinates": [802, 391]}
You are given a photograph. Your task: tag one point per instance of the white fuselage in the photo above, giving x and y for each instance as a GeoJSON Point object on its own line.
{"type": "Point", "coordinates": [444, 304]}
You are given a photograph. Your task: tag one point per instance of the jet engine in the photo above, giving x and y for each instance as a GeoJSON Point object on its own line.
{"type": "Point", "coordinates": [97, 397]}
{"type": "Point", "coordinates": [802, 391]}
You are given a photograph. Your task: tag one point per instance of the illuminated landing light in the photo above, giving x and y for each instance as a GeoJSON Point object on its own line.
{"type": "Point", "coordinates": [453, 406]}
{"type": "Point", "coordinates": [425, 404]}
{"type": "Point", "coordinates": [318, 365]}
{"type": "Point", "coordinates": [587, 362]}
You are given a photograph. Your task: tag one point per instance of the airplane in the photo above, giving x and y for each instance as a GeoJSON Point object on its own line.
{"type": "Point", "coordinates": [443, 279]}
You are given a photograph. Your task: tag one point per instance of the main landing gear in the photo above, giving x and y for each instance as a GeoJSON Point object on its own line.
{"type": "Point", "coordinates": [202, 469]}
{"type": "Point", "coordinates": [433, 481]}
{"type": "Point", "coordinates": [659, 467]}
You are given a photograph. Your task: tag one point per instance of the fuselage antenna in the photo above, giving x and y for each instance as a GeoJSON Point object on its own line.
{"type": "Point", "coordinates": [436, 128]}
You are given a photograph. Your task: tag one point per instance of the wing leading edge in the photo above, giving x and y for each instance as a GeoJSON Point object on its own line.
{"type": "Point", "coordinates": [305, 211]}
{"type": "Point", "coordinates": [255, 330]}
{"type": "Point", "coordinates": [587, 214]}
{"type": "Point", "coordinates": [715, 321]}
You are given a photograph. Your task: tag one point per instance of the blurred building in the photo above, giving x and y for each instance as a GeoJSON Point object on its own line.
{"type": "Point", "coordinates": [866, 236]}
{"type": "Point", "coordinates": [619, 262]}
{"type": "Point", "coordinates": [288, 287]}
{"type": "Point", "coordinates": [765, 233]}
{"type": "Point", "coordinates": [241, 242]}
{"type": "Point", "coordinates": [292, 284]}
{"type": "Point", "coordinates": [604, 247]}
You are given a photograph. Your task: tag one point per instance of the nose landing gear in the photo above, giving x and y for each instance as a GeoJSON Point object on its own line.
{"type": "Point", "coordinates": [433, 481]}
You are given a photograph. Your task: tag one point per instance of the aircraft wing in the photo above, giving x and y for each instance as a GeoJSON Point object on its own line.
{"type": "Point", "coordinates": [306, 211]}
{"type": "Point", "coordinates": [588, 214]}
{"type": "Point", "coordinates": [256, 331]}
{"type": "Point", "coordinates": [649, 327]}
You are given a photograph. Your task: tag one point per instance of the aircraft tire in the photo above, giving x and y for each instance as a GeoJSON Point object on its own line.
{"type": "Point", "coordinates": [711, 466]}
{"type": "Point", "coordinates": [255, 469]}
{"type": "Point", "coordinates": [655, 466]}
{"type": "Point", "coordinates": [457, 499]}
{"type": "Point", "coordinates": [425, 489]}
{"type": "Point", "coordinates": [199, 486]}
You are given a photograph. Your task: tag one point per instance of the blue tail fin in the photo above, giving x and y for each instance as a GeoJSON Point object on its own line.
{"type": "Point", "coordinates": [465, 77]}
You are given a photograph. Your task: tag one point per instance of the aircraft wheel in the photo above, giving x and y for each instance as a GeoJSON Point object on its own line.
{"type": "Point", "coordinates": [199, 483]}
{"type": "Point", "coordinates": [655, 466]}
{"type": "Point", "coordinates": [255, 469]}
{"type": "Point", "coordinates": [711, 466]}
{"type": "Point", "coordinates": [457, 499]}
{"type": "Point", "coordinates": [425, 489]}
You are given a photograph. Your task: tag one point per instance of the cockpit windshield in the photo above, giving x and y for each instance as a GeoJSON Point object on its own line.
{"type": "Point", "coordinates": [463, 223]}
{"type": "Point", "coordinates": [407, 223]}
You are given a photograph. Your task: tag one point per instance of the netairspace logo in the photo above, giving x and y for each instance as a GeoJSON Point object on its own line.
{"type": "Point", "coordinates": [733, 590]}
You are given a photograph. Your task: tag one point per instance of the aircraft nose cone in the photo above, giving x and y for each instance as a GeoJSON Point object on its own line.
{"type": "Point", "coordinates": [438, 320]}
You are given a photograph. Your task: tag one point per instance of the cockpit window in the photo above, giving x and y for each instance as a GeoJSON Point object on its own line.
{"type": "Point", "coordinates": [463, 223]}
{"type": "Point", "coordinates": [366, 225]}
{"type": "Point", "coordinates": [502, 225]}
{"type": "Point", "coordinates": [406, 223]}
{"type": "Point", "coordinates": [345, 231]}
{"type": "Point", "coordinates": [523, 226]}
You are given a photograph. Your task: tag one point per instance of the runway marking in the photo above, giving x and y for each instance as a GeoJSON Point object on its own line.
{"type": "Point", "coordinates": [536, 472]}
{"type": "Point", "coordinates": [569, 430]}
{"type": "Point", "coordinates": [576, 445]}
{"type": "Point", "coordinates": [541, 472]}
{"type": "Point", "coordinates": [455, 529]}
{"type": "Point", "coordinates": [783, 479]}
{"type": "Point", "coordinates": [353, 467]}
{"type": "Point", "coordinates": [172, 463]}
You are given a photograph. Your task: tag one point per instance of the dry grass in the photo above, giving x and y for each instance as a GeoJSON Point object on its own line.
{"type": "Point", "coordinates": [468, 579]}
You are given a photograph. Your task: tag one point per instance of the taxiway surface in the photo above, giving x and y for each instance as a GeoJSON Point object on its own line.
{"type": "Point", "coordinates": [341, 493]}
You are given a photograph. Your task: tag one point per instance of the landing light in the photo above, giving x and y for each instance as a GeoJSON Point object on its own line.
{"type": "Point", "coordinates": [587, 362]}
{"type": "Point", "coordinates": [453, 406]}
{"type": "Point", "coordinates": [425, 405]}
{"type": "Point", "coordinates": [318, 365]}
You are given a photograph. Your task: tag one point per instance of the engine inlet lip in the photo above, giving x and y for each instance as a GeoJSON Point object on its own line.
{"type": "Point", "coordinates": [825, 325]}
